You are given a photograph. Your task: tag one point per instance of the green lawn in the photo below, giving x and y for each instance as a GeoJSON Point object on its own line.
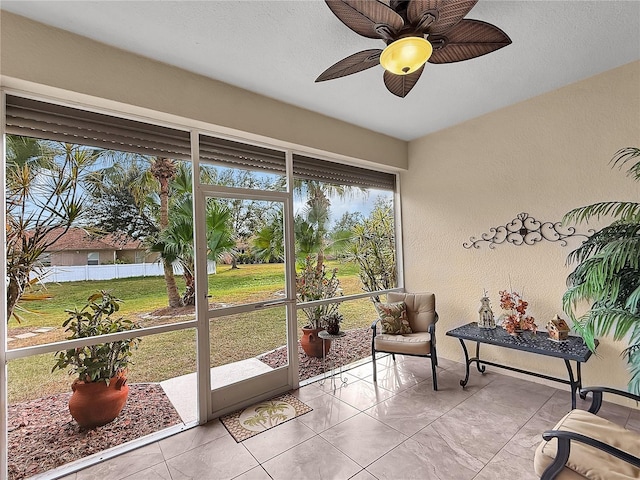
{"type": "Point", "coordinates": [171, 354]}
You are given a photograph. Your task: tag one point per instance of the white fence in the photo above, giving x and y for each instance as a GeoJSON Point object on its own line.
{"type": "Point", "coordinates": [60, 274]}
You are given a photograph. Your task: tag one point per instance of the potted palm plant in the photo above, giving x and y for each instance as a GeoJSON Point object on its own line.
{"type": "Point", "coordinates": [100, 390]}
{"type": "Point", "coordinates": [313, 283]}
{"type": "Point", "coordinates": [607, 274]}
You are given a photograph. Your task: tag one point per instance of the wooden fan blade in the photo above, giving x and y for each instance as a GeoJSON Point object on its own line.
{"type": "Point", "coordinates": [367, 17]}
{"type": "Point", "coordinates": [401, 85]}
{"type": "Point", "coordinates": [447, 13]}
{"type": "Point", "coordinates": [352, 64]}
{"type": "Point", "coordinates": [468, 39]}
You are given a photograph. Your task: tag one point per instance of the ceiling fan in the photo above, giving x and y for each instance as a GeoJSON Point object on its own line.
{"type": "Point", "coordinates": [403, 25]}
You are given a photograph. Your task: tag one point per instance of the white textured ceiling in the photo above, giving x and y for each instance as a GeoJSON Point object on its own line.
{"type": "Point", "coordinates": [278, 48]}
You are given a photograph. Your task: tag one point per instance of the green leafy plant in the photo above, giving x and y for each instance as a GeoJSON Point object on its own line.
{"type": "Point", "coordinates": [103, 361]}
{"type": "Point", "coordinates": [608, 272]}
{"type": "Point", "coordinates": [372, 246]}
{"type": "Point", "coordinates": [313, 283]}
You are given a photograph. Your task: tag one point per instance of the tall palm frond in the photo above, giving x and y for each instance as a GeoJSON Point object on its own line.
{"type": "Point", "coordinates": [626, 155]}
{"type": "Point", "coordinates": [608, 273]}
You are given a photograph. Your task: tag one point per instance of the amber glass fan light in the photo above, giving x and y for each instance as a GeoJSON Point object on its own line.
{"type": "Point", "coordinates": [406, 55]}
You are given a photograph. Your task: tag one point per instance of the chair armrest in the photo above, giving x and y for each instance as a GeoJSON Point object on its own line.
{"type": "Point", "coordinates": [374, 325]}
{"type": "Point", "coordinates": [596, 401]}
{"type": "Point", "coordinates": [432, 332]}
{"type": "Point", "coordinates": [564, 448]}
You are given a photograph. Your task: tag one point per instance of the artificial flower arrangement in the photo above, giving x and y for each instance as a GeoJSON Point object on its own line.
{"type": "Point", "coordinates": [515, 318]}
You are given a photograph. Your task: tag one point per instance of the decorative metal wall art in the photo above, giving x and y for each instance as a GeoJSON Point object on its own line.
{"type": "Point", "coordinates": [526, 230]}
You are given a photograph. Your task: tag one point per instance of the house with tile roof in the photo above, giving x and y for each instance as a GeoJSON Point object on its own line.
{"type": "Point", "coordinates": [80, 247]}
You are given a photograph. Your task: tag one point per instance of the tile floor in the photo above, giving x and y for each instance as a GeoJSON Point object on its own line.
{"type": "Point", "coordinates": [399, 429]}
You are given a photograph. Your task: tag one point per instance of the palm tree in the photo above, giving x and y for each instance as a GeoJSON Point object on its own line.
{"type": "Point", "coordinates": [268, 243]}
{"type": "Point", "coordinates": [608, 272]}
{"type": "Point", "coordinates": [164, 170]}
{"type": "Point", "coordinates": [175, 243]}
{"type": "Point", "coordinates": [145, 181]}
{"type": "Point", "coordinates": [44, 199]}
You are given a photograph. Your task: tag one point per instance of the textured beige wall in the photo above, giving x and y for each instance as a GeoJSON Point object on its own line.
{"type": "Point", "coordinates": [543, 156]}
{"type": "Point", "coordinates": [33, 52]}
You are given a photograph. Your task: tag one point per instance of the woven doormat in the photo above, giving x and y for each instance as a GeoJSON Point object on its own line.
{"type": "Point", "coordinates": [263, 416]}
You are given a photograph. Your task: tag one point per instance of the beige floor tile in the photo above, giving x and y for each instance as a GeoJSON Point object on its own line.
{"type": "Point", "coordinates": [514, 397]}
{"type": "Point", "coordinates": [446, 364]}
{"type": "Point", "coordinates": [278, 439]}
{"type": "Point", "coordinates": [361, 394]}
{"type": "Point", "coordinates": [219, 459]}
{"type": "Point", "coordinates": [333, 382]}
{"type": "Point", "coordinates": [327, 412]}
{"type": "Point", "coordinates": [634, 420]}
{"type": "Point", "coordinates": [135, 461]}
{"type": "Point", "coordinates": [477, 380]}
{"type": "Point", "coordinates": [157, 472]}
{"type": "Point", "coordinates": [397, 379]}
{"type": "Point", "coordinates": [307, 392]}
{"type": "Point", "coordinates": [515, 460]}
{"type": "Point", "coordinates": [418, 366]}
{"type": "Point", "coordinates": [448, 396]}
{"type": "Point", "coordinates": [363, 439]}
{"type": "Point", "coordinates": [404, 414]}
{"type": "Point", "coordinates": [315, 459]}
{"type": "Point", "coordinates": [474, 432]}
{"type": "Point", "coordinates": [257, 473]}
{"type": "Point", "coordinates": [363, 475]}
{"type": "Point", "coordinates": [430, 459]}
{"type": "Point", "coordinates": [507, 465]}
{"type": "Point", "coordinates": [366, 370]}
{"type": "Point", "coordinates": [192, 438]}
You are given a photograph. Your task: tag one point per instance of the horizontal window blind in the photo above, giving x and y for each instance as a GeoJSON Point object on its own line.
{"type": "Point", "coordinates": [241, 155]}
{"type": "Point", "coordinates": [48, 121]}
{"type": "Point", "coordinates": [337, 173]}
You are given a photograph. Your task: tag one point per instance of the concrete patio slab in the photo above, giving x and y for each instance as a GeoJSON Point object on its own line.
{"type": "Point", "coordinates": [182, 390]}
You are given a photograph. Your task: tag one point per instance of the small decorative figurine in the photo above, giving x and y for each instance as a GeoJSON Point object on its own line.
{"type": "Point", "coordinates": [486, 318]}
{"type": "Point", "coordinates": [558, 329]}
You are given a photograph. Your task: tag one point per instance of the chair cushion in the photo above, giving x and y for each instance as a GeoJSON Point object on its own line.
{"type": "Point", "coordinates": [588, 462]}
{"type": "Point", "coordinates": [393, 317]}
{"type": "Point", "coordinates": [410, 343]}
{"type": "Point", "coordinates": [421, 308]}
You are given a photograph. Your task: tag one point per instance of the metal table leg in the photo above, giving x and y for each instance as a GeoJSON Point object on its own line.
{"type": "Point", "coordinates": [481, 368]}
{"type": "Point", "coordinates": [574, 385]}
{"type": "Point", "coordinates": [466, 364]}
{"type": "Point", "coordinates": [468, 361]}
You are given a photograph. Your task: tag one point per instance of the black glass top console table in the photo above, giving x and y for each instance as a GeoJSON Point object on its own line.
{"type": "Point", "coordinates": [571, 349]}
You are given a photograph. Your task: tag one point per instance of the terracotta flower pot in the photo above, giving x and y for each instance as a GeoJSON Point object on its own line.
{"type": "Point", "coordinates": [95, 404]}
{"type": "Point", "coordinates": [312, 344]}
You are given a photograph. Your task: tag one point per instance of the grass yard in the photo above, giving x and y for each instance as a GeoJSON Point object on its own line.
{"type": "Point", "coordinates": [171, 354]}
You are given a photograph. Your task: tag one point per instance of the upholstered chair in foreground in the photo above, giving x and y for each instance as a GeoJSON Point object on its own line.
{"type": "Point", "coordinates": [583, 445]}
{"type": "Point", "coordinates": [407, 324]}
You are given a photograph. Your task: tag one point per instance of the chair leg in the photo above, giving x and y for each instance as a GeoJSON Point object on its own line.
{"type": "Point", "coordinates": [373, 360]}
{"type": "Point", "coordinates": [434, 364]}
{"type": "Point", "coordinates": [434, 374]}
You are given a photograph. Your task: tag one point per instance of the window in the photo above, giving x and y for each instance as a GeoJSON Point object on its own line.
{"type": "Point", "coordinates": [93, 258]}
